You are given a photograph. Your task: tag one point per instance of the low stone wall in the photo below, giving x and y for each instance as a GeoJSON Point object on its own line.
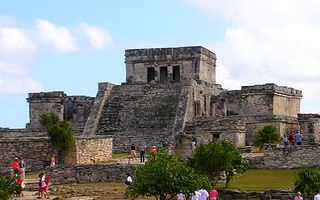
{"type": "Point", "coordinates": [90, 173]}
{"type": "Point", "coordinates": [276, 157]}
{"type": "Point", "coordinates": [35, 151]}
{"type": "Point", "coordinates": [93, 150]}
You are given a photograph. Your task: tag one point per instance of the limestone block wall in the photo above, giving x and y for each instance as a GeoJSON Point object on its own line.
{"type": "Point", "coordinates": [193, 62]}
{"type": "Point", "coordinates": [255, 123]}
{"type": "Point", "coordinates": [93, 150]}
{"type": "Point", "coordinates": [90, 173]}
{"type": "Point", "coordinates": [213, 128]}
{"type": "Point", "coordinates": [36, 152]}
{"type": "Point", "coordinates": [20, 133]}
{"type": "Point", "coordinates": [77, 110]}
{"type": "Point", "coordinates": [44, 102]}
{"type": "Point", "coordinates": [275, 157]}
{"type": "Point", "coordinates": [267, 99]}
{"type": "Point", "coordinates": [310, 127]}
{"type": "Point", "coordinates": [200, 99]}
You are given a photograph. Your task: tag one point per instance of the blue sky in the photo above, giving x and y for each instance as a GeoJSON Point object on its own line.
{"type": "Point", "coordinates": [72, 45]}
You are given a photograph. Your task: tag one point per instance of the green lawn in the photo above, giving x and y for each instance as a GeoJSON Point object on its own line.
{"type": "Point", "coordinates": [264, 179]}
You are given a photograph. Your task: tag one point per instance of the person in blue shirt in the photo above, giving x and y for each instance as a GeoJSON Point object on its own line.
{"type": "Point", "coordinates": [298, 138]}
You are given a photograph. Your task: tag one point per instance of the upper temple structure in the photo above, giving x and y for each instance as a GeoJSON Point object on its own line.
{"type": "Point", "coordinates": [169, 99]}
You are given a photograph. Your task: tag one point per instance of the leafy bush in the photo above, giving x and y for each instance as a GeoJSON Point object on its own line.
{"type": "Point", "coordinates": [8, 187]}
{"type": "Point", "coordinates": [268, 134]}
{"type": "Point", "coordinates": [214, 158]}
{"type": "Point", "coordinates": [164, 176]}
{"type": "Point", "coordinates": [308, 181]}
{"type": "Point", "coordinates": [60, 133]}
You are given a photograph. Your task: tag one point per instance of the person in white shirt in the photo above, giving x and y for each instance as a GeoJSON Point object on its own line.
{"type": "Point", "coordinates": [204, 195]}
{"type": "Point", "coordinates": [180, 196]}
{"type": "Point", "coordinates": [128, 181]}
{"type": "Point", "coordinates": [317, 196]}
{"type": "Point", "coordinates": [195, 195]}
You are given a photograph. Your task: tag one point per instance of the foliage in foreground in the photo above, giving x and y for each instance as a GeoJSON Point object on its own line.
{"type": "Point", "coordinates": [268, 134]}
{"type": "Point", "coordinates": [215, 158]}
{"type": "Point", "coordinates": [60, 133]}
{"type": "Point", "coordinates": [164, 176]}
{"type": "Point", "coordinates": [308, 181]}
{"type": "Point", "coordinates": [8, 187]}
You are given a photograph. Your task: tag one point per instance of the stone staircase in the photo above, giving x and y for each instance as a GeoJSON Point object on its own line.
{"type": "Point", "coordinates": [140, 113]}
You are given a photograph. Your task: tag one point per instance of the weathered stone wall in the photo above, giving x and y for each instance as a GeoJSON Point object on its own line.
{"type": "Point", "coordinates": [298, 156]}
{"type": "Point", "coordinates": [310, 127]}
{"type": "Point", "coordinates": [200, 101]}
{"type": "Point", "coordinates": [239, 129]}
{"type": "Point", "coordinates": [35, 151]}
{"type": "Point", "coordinates": [44, 102]}
{"type": "Point", "coordinates": [97, 107]}
{"type": "Point", "coordinates": [267, 99]}
{"type": "Point", "coordinates": [140, 114]}
{"type": "Point", "coordinates": [213, 128]}
{"type": "Point", "coordinates": [20, 133]}
{"type": "Point", "coordinates": [77, 110]}
{"type": "Point", "coordinates": [90, 173]}
{"type": "Point", "coordinates": [256, 123]}
{"type": "Point", "coordinates": [93, 150]}
{"type": "Point", "coordinates": [193, 62]}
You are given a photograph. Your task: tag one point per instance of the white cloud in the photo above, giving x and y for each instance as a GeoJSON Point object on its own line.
{"type": "Point", "coordinates": [98, 37]}
{"type": "Point", "coordinates": [268, 41]}
{"type": "Point", "coordinates": [16, 50]}
{"type": "Point", "coordinates": [58, 38]}
{"type": "Point", "coordinates": [19, 47]}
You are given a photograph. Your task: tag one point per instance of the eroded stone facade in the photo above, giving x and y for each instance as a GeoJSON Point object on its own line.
{"type": "Point", "coordinates": [171, 97]}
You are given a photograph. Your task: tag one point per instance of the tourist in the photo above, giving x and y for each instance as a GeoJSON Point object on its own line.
{"type": "Point", "coordinates": [204, 195]}
{"type": "Point", "coordinates": [154, 149]}
{"type": "Point", "coordinates": [195, 195]}
{"type": "Point", "coordinates": [142, 152]}
{"type": "Point", "coordinates": [128, 180]}
{"type": "Point", "coordinates": [23, 168]}
{"type": "Point", "coordinates": [213, 194]}
{"type": "Point", "coordinates": [16, 167]}
{"type": "Point", "coordinates": [43, 186]}
{"type": "Point", "coordinates": [21, 183]}
{"type": "Point", "coordinates": [317, 196]}
{"type": "Point", "coordinates": [285, 142]}
{"type": "Point", "coordinates": [298, 138]}
{"type": "Point", "coordinates": [53, 160]}
{"type": "Point", "coordinates": [133, 152]}
{"type": "Point", "coordinates": [298, 196]}
{"type": "Point", "coordinates": [180, 196]}
{"type": "Point", "coordinates": [291, 138]}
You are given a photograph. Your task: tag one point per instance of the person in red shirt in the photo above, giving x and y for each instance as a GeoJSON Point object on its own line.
{"type": "Point", "coordinates": [15, 166]}
{"type": "Point", "coordinates": [153, 149]}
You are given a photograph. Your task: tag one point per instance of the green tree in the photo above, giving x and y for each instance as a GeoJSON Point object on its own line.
{"type": "Point", "coordinates": [60, 133]}
{"type": "Point", "coordinates": [164, 176]}
{"type": "Point", "coordinates": [8, 187]}
{"type": "Point", "coordinates": [308, 181]}
{"type": "Point", "coordinates": [268, 134]}
{"type": "Point", "coordinates": [215, 158]}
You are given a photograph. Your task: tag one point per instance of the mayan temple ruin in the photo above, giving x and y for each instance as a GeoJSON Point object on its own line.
{"type": "Point", "coordinates": [170, 98]}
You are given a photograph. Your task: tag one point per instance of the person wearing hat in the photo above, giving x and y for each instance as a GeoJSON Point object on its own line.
{"type": "Point", "coordinates": [298, 196]}
{"type": "Point", "coordinates": [153, 149]}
